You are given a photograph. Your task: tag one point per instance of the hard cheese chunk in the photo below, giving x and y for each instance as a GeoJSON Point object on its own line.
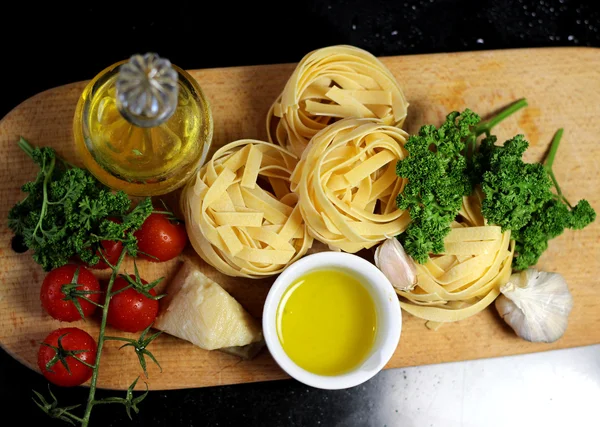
{"type": "Point", "coordinates": [200, 311]}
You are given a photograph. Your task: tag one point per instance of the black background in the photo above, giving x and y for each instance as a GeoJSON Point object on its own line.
{"type": "Point", "coordinates": [51, 44]}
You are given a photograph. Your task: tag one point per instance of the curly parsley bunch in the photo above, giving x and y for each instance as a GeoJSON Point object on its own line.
{"type": "Point", "coordinates": [445, 164]}
{"type": "Point", "coordinates": [67, 213]}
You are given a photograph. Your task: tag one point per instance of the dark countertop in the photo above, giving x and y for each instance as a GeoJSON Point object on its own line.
{"type": "Point", "coordinates": [50, 45]}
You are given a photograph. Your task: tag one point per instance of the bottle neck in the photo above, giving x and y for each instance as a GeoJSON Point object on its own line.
{"type": "Point", "coordinates": [147, 90]}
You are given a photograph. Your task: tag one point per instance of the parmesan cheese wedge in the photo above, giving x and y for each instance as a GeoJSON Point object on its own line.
{"type": "Point", "coordinates": [198, 310]}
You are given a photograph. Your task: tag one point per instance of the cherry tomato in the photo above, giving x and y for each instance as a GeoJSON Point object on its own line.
{"type": "Point", "coordinates": [161, 238]}
{"type": "Point", "coordinates": [111, 250]}
{"type": "Point", "coordinates": [60, 304]}
{"type": "Point", "coordinates": [130, 310]}
{"type": "Point", "coordinates": [69, 344]}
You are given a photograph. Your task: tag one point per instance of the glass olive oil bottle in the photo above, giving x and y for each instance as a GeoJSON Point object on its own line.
{"type": "Point", "coordinates": [143, 126]}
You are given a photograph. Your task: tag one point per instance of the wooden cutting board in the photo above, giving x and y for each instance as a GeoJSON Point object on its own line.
{"type": "Point", "coordinates": [563, 89]}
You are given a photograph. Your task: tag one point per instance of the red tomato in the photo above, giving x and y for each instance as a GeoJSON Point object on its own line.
{"type": "Point", "coordinates": [52, 293]}
{"type": "Point", "coordinates": [129, 310]}
{"type": "Point", "coordinates": [161, 238]}
{"type": "Point", "coordinates": [111, 250]}
{"type": "Point", "coordinates": [73, 340]}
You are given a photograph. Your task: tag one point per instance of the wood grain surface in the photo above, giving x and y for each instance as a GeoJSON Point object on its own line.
{"type": "Point", "coordinates": [562, 87]}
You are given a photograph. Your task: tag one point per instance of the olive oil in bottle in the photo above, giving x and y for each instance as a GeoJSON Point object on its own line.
{"type": "Point", "coordinates": [143, 126]}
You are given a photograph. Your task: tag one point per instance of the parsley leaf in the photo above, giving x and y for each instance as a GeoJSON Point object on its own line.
{"type": "Point", "coordinates": [67, 212]}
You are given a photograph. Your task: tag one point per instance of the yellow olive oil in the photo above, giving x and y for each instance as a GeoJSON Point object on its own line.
{"type": "Point", "coordinates": [141, 160]}
{"type": "Point", "coordinates": [327, 322]}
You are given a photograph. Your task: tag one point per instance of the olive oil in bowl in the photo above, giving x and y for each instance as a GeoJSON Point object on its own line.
{"type": "Point", "coordinates": [327, 322]}
{"type": "Point", "coordinates": [332, 320]}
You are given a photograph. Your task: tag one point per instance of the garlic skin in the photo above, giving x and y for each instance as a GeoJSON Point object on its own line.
{"type": "Point", "coordinates": [396, 265]}
{"type": "Point", "coordinates": [536, 304]}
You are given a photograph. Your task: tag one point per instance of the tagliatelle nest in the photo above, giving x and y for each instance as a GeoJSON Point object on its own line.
{"type": "Point", "coordinates": [241, 216]}
{"type": "Point", "coordinates": [466, 277]}
{"type": "Point", "coordinates": [330, 84]}
{"type": "Point", "coordinates": [347, 184]}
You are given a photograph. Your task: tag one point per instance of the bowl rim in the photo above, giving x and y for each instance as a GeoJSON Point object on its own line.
{"type": "Point", "coordinates": [384, 297]}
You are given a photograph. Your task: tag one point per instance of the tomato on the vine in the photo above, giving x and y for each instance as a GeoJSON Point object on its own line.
{"type": "Point", "coordinates": [72, 347]}
{"type": "Point", "coordinates": [63, 296]}
{"type": "Point", "coordinates": [130, 310]}
{"type": "Point", "coordinates": [160, 238]}
{"type": "Point", "coordinates": [111, 250]}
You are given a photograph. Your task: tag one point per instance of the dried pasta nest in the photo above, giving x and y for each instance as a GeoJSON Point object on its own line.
{"type": "Point", "coordinates": [330, 84]}
{"type": "Point", "coordinates": [241, 216]}
{"type": "Point", "coordinates": [466, 278]}
{"type": "Point", "coordinates": [347, 184]}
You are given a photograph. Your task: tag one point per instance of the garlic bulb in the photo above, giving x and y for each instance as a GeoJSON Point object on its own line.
{"type": "Point", "coordinates": [536, 304]}
{"type": "Point", "coordinates": [396, 265]}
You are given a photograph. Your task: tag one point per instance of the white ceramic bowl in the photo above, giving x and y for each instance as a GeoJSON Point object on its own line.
{"type": "Point", "coordinates": [389, 318]}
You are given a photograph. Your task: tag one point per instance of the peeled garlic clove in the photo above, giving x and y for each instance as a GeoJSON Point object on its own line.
{"type": "Point", "coordinates": [536, 304]}
{"type": "Point", "coordinates": [396, 265]}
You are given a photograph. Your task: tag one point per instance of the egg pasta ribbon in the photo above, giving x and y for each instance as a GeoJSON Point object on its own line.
{"type": "Point", "coordinates": [329, 84]}
{"type": "Point", "coordinates": [347, 184]}
{"type": "Point", "coordinates": [241, 215]}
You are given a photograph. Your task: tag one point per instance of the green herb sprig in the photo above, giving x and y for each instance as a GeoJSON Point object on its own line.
{"type": "Point", "coordinates": [445, 164]}
{"type": "Point", "coordinates": [67, 213]}
{"type": "Point", "coordinates": [526, 198]}
{"type": "Point", "coordinates": [439, 176]}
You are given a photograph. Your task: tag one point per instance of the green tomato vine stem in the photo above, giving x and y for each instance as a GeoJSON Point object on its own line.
{"type": "Point", "coordinates": [101, 338]}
